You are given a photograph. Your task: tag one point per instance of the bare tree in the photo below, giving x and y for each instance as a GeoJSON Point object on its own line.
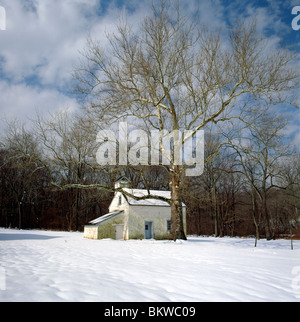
{"type": "Point", "coordinates": [261, 151]}
{"type": "Point", "coordinates": [172, 74]}
{"type": "Point", "coordinates": [69, 145]}
{"type": "Point", "coordinates": [23, 171]}
{"type": "Point", "coordinates": [290, 179]}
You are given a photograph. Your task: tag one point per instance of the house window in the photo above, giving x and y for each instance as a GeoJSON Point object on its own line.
{"type": "Point", "coordinates": [120, 201]}
{"type": "Point", "coordinates": [168, 225]}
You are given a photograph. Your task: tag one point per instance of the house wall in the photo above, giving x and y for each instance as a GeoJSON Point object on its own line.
{"type": "Point", "coordinates": [114, 206]}
{"type": "Point", "coordinates": [158, 215]}
{"type": "Point", "coordinates": [107, 229]}
{"type": "Point", "coordinates": [90, 232]}
{"type": "Point", "coordinates": [134, 218]}
{"type": "Point", "coordinates": [139, 214]}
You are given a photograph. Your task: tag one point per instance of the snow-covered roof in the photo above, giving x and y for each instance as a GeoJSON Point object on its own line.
{"type": "Point", "coordinates": [148, 202]}
{"type": "Point", "coordinates": [103, 218]}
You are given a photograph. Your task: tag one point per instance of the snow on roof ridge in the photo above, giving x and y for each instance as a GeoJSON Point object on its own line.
{"type": "Point", "coordinates": [148, 202]}
{"type": "Point", "coordinates": [159, 192]}
{"type": "Point", "coordinates": [105, 217]}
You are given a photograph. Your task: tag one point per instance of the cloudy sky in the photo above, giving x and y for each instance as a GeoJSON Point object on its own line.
{"type": "Point", "coordinates": [42, 40]}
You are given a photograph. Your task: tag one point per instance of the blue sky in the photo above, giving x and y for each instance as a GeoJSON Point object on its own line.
{"type": "Point", "coordinates": [41, 45]}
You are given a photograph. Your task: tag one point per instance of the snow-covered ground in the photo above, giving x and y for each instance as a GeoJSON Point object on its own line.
{"type": "Point", "coordinates": [62, 266]}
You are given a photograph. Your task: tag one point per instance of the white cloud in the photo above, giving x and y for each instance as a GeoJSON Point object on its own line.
{"type": "Point", "coordinates": [38, 52]}
{"type": "Point", "coordinates": [23, 101]}
{"type": "Point", "coordinates": [44, 35]}
{"type": "Point", "coordinates": [41, 45]}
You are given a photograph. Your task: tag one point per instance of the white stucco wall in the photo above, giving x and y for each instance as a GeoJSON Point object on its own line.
{"type": "Point", "coordinates": [139, 214]}
{"type": "Point", "coordinates": [90, 232]}
{"type": "Point", "coordinates": [158, 215]}
{"type": "Point", "coordinates": [114, 206]}
{"type": "Point", "coordinates": [135, 216]}
{"type": "Point", "coordinates": [107, 229]}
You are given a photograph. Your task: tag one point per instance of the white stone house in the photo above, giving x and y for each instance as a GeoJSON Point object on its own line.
{"type": "Point", "coordinates": [132, 219]}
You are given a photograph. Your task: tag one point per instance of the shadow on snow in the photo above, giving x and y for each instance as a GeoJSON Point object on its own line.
{"type": "Point", "coordinates": [24, 236]}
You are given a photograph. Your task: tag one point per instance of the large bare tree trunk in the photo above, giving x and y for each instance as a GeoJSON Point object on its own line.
{"type": "Point", "coordinates": [177, 227]}
{"type": "Point", "coordinates": [268, 230]}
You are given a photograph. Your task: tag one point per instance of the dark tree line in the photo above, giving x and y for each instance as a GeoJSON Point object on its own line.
{"type": "Point", "coordinates": [223, 201]}
{"type": "Point", "coordinates": [29, 200]}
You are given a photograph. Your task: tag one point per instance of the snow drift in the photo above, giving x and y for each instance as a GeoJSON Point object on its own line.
{"type": "Point", "coordinates": [61, 266]}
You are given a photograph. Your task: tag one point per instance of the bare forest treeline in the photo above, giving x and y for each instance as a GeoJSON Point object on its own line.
{"type": "Point", "coordinates": [231, 197]}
